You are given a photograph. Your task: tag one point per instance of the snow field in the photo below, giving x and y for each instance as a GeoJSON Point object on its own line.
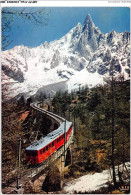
{"type": "Point", "coordinates": [92, 182]}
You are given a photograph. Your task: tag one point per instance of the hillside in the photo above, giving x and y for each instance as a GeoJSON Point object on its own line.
{"type": "Point", "coordinates": [90, 110]}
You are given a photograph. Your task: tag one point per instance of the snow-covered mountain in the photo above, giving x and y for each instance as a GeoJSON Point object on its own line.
{"type": "Point", "coordinates": [82, 56]}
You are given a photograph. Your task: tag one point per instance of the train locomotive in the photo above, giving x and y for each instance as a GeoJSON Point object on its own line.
{"type": "Point", "coordinates": [40, 150]}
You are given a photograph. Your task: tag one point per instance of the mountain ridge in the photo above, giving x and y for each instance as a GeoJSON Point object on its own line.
{"type": "Point", "coordinates": [84, 50]}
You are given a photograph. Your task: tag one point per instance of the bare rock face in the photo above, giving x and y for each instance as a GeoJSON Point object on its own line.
{"type": "Point", "coordinates": [56, 59]}
{"type": "Point", "coordinates": [107, 57]}
{"type": "Point", "coordinates": [17, 75]}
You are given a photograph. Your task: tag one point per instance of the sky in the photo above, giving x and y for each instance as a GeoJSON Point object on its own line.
{"type": "Point", "coordinates": [63, 19]}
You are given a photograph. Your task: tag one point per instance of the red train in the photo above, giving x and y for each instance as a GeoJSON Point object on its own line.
{"type": "Point", "coordinates": [40, 150]}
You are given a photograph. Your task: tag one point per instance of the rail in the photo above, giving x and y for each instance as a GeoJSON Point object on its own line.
{"type": "Point", "coordinates": [36, 106]}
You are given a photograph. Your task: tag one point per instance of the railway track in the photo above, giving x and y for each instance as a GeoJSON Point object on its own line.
{"type": "Point", "coordinates": [57, 118]}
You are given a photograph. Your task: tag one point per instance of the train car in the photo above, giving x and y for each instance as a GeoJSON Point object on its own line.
{"type": "Point", "coordinates": [40, 150]}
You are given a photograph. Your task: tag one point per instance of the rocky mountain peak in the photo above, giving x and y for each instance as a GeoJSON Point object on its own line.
{"type": "Point", "coordinates": [88, 20]}
{"type": "Point", "coordinates": [91, 37]}
{"type": "Point", "coordinates": [78, 26]}
{"type": "Point", "coordinates": [88, 23]}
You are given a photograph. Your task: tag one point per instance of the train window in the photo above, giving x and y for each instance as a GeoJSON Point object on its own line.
{"type": "Point", "coordinates": [28, 153]}
{"type": "Point", "coordinates": [40, 151]}
{"type": "Point", "coordinates": [34, 153]}
{"type": "Point", "coordinates": [52, 144]}
{"type": "Point", "coordinates": [57, 140]}
{"type": "Point", "coordinates": [44, 150]}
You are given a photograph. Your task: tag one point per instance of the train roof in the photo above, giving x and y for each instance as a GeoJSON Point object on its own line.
{"type": "Point", "coordinates": [37, 145]}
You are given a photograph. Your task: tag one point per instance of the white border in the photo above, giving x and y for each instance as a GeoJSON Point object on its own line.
{"type": "Point", "coordinates": [62, 3]}
{"type": "Point", "coordinates": [67, 3]}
